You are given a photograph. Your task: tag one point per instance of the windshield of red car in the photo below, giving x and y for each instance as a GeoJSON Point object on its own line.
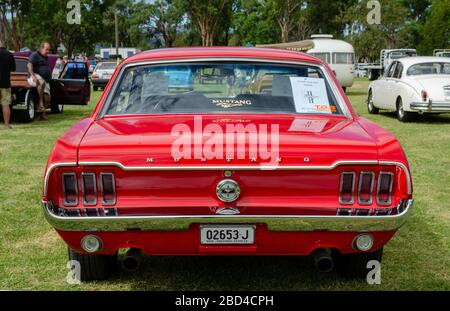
{"type": "Point", "coordinates": [223, 88]}
{"type": "Point", "coordinates": [429, 69]}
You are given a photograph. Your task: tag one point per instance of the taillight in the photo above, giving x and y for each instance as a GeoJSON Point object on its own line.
{"type": "Point", "coordinates": [70, 189]}
{"type": "Point", "coordinates": [347, 188]}
{"type": "Point", "coordinates": [89, 188]}
{"type": "Point", "coordinates": [108, 188]}
{"type": "Point", "coordinates": [424, 96]}
{"type": "Point", "coordinates": [365, 188]}
{"type": "Point", "coordinates": [384, 189]}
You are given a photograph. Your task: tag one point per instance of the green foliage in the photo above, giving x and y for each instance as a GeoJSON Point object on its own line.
{"type": "Point", "coordinates": [436, 31]}
{"type": "Point", "coordinates": [165, 23]}
{"type": "Point", "coordinates": [252, 23]}
{"type": "Point", "coordinates": [206, 16]}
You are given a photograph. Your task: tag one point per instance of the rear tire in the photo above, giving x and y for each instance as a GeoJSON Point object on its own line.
{"type": "Point", "coordinates": [94, 267]}
{"type": "Point", "coordinates": [402, 115]}
{"type": "Point", "coordinates": [370, 106]}
{"type": "Point", "coordinates": [355, 265]}
{"type": "Point", "coordinates": [28, 115]}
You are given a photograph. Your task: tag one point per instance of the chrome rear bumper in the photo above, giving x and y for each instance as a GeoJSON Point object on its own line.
{"type": "Point", "coordinates": [430, 106]}
{"type": "Point", "coordinates": [273, 222]}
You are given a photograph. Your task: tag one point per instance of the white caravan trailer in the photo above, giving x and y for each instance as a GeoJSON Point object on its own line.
{"type": "Point", "coordinates": [339, 55]}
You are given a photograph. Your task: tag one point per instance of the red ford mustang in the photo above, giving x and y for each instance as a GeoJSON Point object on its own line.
{"type": "Point", "coordinates": [267, 158]}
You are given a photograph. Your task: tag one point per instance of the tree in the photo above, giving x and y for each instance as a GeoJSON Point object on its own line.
{"type": "Point", "coordinates": [165, 18]}
{"type": "Point", "coordinates": [48, 22]}
{"type": "Point", "coordinates": [436, 31]}
{"type": "Point", "coordinates": [286, 13]}
{"type": "Point", "coordinates": [12, 17]}
{"type": "Point", "coordinates": [252, 24]}
{"type": "Point", "coordinates": [367, 39]}
{"type": "Point", "coordinates": [206, 16]}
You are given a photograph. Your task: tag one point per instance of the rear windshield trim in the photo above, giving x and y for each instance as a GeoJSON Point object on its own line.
{"type": "Point", "coordinates": [108, 99]}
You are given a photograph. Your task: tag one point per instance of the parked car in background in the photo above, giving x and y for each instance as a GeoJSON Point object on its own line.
{"type": "Point", "coordinates": [335, 186]}
{"type": "Point", "coordinates": [180, 78]}
{"type": "Point", "coordinates": [412, 85]}
{"type": "Point", "coordinates": [102, 73]}
{"type": "Point", "coordinates": [70, 88]}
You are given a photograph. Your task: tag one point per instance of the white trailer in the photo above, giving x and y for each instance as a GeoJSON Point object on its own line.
{"type": "Point", "coordinates": [338, 54]}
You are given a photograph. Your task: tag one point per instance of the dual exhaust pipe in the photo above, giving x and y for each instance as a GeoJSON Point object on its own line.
{"type": "Point", "coordinates": [323, 260]}
{"type": "Point", "coordinates": [132, 260]}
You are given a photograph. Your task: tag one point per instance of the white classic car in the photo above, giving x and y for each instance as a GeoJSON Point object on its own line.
{"type": "Point", "coordinates": [412, 85]}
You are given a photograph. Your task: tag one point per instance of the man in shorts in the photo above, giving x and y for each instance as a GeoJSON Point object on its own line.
{"type": "Point", "coordinates": [40, 72]}
{"type": "Point", "coordinates": [7, 65]}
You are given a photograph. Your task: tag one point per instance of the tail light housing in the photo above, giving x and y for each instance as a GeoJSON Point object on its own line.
{"type": "Point", "coordinates": [89, 188]}
{"type": "Point", "coordinates": [384, 189]}
{"type": "Point", "coordinates": [70, 189]}
{"type": "Point", "coordinates": [365, 188]}
{"type": "Point", "coordinates": [347, 188]}
{"type": "Point", "coordinates": [86, 187]}
{"type": "Point", "coordinates": [108, 188]}
{"type": "Point", "coordinates": [370, 184]}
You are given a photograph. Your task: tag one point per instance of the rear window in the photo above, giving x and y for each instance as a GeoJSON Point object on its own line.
{"type": "Point", "coordinates": [429, 69]}
{"type": "Point", "coordinates": [222, 88]}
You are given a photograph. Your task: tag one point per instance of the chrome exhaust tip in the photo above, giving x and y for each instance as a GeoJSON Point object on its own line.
{"type": "Point", "coordinates": [132, 260]}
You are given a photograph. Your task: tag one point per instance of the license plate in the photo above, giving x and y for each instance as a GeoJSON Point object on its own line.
{"type": "Point", "coordinates": [227, 234]}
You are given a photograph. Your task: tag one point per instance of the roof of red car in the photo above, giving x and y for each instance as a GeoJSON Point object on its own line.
{"type": "Point", "coordinates": [199, 52]}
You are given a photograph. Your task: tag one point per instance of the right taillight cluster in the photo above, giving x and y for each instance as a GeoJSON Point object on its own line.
{"type": "Point", "coordinates": [364, 185]}
{"type": "Point", "coordinates": [87, 184]}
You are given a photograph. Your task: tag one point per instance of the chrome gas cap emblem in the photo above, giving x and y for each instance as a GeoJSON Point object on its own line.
{"type": "Point", "coordinates": [228, 190]}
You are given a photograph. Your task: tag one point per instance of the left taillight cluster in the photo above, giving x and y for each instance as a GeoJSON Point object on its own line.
{"type": "Point", "coordinates": [86, 186]}
{"type": "Point", "coordinates": [364, 185]}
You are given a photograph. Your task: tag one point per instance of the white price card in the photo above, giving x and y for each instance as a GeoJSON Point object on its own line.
{"type": "Point", "coordinates": [310, 95]}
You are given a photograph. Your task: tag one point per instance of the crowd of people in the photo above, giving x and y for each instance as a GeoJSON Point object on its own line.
{"type": "Point", "coordinates": [40, 74]}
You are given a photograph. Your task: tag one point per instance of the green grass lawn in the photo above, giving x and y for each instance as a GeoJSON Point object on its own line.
{"type": "Point", "coordinates": [32, 256]}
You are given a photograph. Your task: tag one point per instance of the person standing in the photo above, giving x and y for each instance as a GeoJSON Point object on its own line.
{"type": "Point", "coordinates": [40, 72]}
{"type": "Point", "coordinates": [7, 65]}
